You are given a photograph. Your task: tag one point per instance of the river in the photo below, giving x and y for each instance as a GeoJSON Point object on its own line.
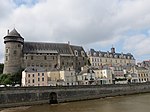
{"type": "Point", "coordinates": [131, 103]}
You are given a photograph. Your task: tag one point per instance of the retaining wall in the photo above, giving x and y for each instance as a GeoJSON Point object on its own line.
{"type": "Point", "coordinates": [19, 96]}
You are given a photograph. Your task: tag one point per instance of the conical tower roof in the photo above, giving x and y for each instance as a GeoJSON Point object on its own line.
{"type": "Point", "coordinates": [14, 33]}
{"type": "Point", "coordinates": [13, 36]}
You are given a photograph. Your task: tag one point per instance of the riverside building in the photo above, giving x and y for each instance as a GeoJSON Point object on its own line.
{"type": "Point", "coordinates": [99, 58]}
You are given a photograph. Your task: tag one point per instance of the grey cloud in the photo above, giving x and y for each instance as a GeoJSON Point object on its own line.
{"type": "Point", "coordinates": [84, 22]}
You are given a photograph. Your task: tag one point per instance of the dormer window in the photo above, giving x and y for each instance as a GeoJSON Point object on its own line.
{"type": "Point", "coordinates": [120, 56]}
{"type": "Point", "coordinates": [100, 54]}
{"type": "Point", "coordinates": [111, 55]}
{"type": "Point", "coordinates": [76, 53]}
{"type": "Point", "coordinates": [82, 53]}
{"type": "Point", "coordinates": [116, 56]}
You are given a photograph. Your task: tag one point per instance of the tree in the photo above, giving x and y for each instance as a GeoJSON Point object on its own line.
{"type": "Point", "coordinates": [5, 79]}
{"type": "Point", "coordinates": [11, 78]}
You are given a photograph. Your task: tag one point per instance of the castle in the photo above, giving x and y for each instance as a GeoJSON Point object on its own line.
{"type": "Point", "coordinates": [20, 54]}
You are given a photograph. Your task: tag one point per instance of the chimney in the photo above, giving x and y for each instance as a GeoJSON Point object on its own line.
{"type": "Point", "coordinates": [8, 31]}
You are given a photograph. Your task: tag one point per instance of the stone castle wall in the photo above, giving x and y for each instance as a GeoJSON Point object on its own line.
{"type": "Point", "coordinates": [40, 60]}
{"type": "Point", "coordinates": [10, 97]}
{"type": "Point", "coordinates": [13, 57]}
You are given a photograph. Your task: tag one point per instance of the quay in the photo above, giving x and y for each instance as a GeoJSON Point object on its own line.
{"type": "Point", "coordinates": [22, 96]}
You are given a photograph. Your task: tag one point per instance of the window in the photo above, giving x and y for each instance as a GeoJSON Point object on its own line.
{"type": "Point", "coordinates": [92, 59]}
{"type": "Point", "coordinates": [31, 57]}
{"type": "Point", "coordinates": [100, 60]}
{"type": "Point", "coordinates": [42, 74]}
{"type": "Point", "coordinates": [28, 75]}
{"type": "Point", "coordinates": [76, 53]}
{"type": "Point", "coordinates": [28, 81]}
{"type": "Point", "coordinates": [82, 53]}
{"type": "Point", "coordinates": [19, 45]}
{"type": "Point", "coordinates": [45, 58]}
{"type": "Point", "coordinates": [6, 50]}
{"type": "Point", "coordinates": [43, 79]}
{"type": "Point", "coordinates": [6, 58]}
{"type": "Point", "coordinates": [38, 79]}
{"type": "Point", "coordinates": [32, 75]}
{"type": "Point", "coordinates": [15, 52]}
{"type": "Point", "coordinates": [38, 74]}
{"type": "Point", "coordinates": [33, 81]}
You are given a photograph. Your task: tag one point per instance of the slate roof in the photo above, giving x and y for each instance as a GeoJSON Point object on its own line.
{"type": "Point", "coordinates": [34, 69]}
{"type": "Point", "coordinates": [60, 48]}
{"type": "Point", "coordinates": [39, 47]}
{"type": "Point", "coordinates": [79, 49]}
{"type": "Point", "coordinates": [13, 36]}
{"type": "Point", "coordinates": [14, 33]}
{"type": "Point", "coordinates": [92, 52]}
{"type": "Point", "coordinates": [140, 68]}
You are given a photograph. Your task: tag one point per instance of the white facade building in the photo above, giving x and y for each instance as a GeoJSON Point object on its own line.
{"type": "Point", "coordinates": [103, 76]}
{"type": "Point", "coordinates": [86, 77]}
{"type": "Point", "coordinates": [34, 76]}
{"type": "Point", "coordinates": [65, 77]}
{"type": "Point", "coordinates": [99, 58]}
{"type": "Point", "coordinates": [142, 73]}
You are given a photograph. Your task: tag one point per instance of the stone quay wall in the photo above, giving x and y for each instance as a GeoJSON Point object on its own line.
{"type": "Point", "coordinates": [21, 96]}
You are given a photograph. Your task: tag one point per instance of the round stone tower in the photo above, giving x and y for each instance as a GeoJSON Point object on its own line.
{"type": "Point", "coordinates": [13, 52]}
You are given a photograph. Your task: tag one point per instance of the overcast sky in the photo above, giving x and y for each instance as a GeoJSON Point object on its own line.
{"type": "Point", "coordinates": [97, 24]}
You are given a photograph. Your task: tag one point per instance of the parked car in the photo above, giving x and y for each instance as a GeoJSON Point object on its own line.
{"type": "Point", "coordinates": [2, 85]}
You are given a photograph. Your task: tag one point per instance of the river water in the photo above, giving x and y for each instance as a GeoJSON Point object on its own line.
{"type": "Point", "coordinates": [131, 103]}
